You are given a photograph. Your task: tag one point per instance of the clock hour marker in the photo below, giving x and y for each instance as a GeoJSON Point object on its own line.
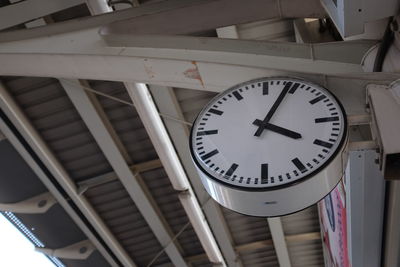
{"type": "Point", "coordinates": [207, 132]}
{"type": "Point", "coordinates": [327, 119]}
{"type": "Point", "coordinates": [299, 165]}
{"type": "Point", "coordinates": [265, 88]}
{"type": "Point", "coordinates": [237, 95]}
{"type": "Point", "coordinates": [264, 173]}
{"type": "Point", "coordinates": [209, 154]}
{"type": "Point", "coordinates": [294, 88]}
{"type": "Point", "coordinates": [317, 99]}
{"type": "Point", "coordinates": [231, 169]}
{"type": "Point", "coordinates": [215, 111]}
{"type": "Point", "coordinates": [322, 143]}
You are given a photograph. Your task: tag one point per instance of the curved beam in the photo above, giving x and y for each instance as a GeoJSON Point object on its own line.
{"type": "Point", "coordinates": [35, 205]}
{"type": "Point", "coordinates": [78, 251]}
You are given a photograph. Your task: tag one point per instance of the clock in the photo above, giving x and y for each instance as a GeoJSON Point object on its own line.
{"type": "Point", "coordinates": [270, 146]}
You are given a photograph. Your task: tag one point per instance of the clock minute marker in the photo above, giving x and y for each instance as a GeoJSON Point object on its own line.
{"type": "Point", "coordinates": [265, 88]}
{"type": "Point", "coordinates": [210, 154]}
{"type": "Point", "coordinates": [326, 119]}
{"type": "Point", "coordinates": [299, 165]}
{"type": "Point", "coordinates": [322, 143]}
{"type": "Point", "coordinates": [294, 88]}
{"type": "Point", "coordinates": [237, 95]}
{"type": "Point", "coordinates": [317, 99]}
{"type": "Point", "coordinates": [264, 173]}
{"type": "Point", "coordinates": [215, 111]}
{"type": "Point", "coordinates": [231, 170]}
{"type": "Point", "coordinates": [208, 132]}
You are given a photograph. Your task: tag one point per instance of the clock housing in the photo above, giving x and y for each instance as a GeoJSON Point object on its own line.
{"type": "Point", "coordinates": [270, 146]}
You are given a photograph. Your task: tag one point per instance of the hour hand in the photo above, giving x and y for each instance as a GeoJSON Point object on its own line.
{"type": "Point", "coordinates": [277, 129]}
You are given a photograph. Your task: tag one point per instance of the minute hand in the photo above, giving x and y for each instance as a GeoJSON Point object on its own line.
{"type": "Point", "coordinates": [273, 108]}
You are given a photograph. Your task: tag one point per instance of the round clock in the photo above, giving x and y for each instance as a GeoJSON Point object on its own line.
{"type": "Point", "coordinates": [271, 146]}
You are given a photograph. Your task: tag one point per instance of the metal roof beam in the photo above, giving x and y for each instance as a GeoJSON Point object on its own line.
{"type": "Point", "coordinates": [167, 103]}
{"type": "Point", "coordinates": [106, 142]}
{"type": "Point", "coordinates": [278, 238]}
{"type": "Point", "coordinates": [24, 11]}
{"type": "Point", "coordinates": [85, 54]}
{"type": "Point", "coordinates": [150, 117]}
{"type": "Point", "coordinates": [214, 14]}
{"type": "Point", "coordinates": [44, 164]}
{"type": "Point", "coordinates": [183, 16]}
{"type": "Point", "coordinates": [97, 21]}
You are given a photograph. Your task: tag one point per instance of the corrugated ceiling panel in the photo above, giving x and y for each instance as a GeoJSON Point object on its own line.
{"type": "Point", "coordinates": [125, 121]}
{"type": "Point", "coordinates": [118, 211]}
{"type": "Point", "coordinates": [169, 204]}
{"type": "Point", "coordinates": [192, 101]}
{"type": "Point", "coordinates": [306, 253]}
{"type": "Point", "coordinates": [305, 221]}
{"type": "Point", "coordinates": [260, 257]}
{"type": "Point", "coordinates": [51, 112]}
{"type": "Point", "coordinates": [204, 263]}
{"type": "Point", "coordinates": [272, 30]}
{"type": "Point", "coordinates": [246, 229]}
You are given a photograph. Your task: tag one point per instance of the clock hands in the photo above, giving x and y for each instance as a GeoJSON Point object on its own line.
{"type": "Point", "coordinates": [274, 107]}
{"type": "Point", "coordinates": [277, 129]}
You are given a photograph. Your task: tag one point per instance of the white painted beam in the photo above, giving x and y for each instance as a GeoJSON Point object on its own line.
{"type": "Point", "coordinates": [183, 16]}
{"type": "Point", "coordinates": [148, 55]}
{"type": "Point", "coordinates": [278, 237]}
{"type": "Point", "coordinates": [84, 55]}
{"type": "Point", "coordinates": [114, 156]}
{"type": "Point", "coordinates": [44, 163]}
{"type": "Point", "coordinates": [167, 103]}
{"type": "Point", "coordinates": [215, 14]}
{"type": "Point", "coordinates": [148, 113]}
{"type": "Point", "coordinates": [24, 11]}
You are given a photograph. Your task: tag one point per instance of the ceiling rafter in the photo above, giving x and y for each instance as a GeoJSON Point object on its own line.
{"type": "Point", "coordinates": [97, 125]}
{"type": "Point", "coordinates": [167, 103]}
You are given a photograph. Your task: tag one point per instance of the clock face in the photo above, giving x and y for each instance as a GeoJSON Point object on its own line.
{"type": "Point", "coordinates": [268, 133]}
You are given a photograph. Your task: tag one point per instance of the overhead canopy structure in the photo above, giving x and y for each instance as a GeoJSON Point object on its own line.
{"type": "Point", "coordinates": [96, 110]}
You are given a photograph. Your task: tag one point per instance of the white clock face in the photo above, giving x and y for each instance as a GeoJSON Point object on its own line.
{"type": "Point", "coordinates": [267, 133]}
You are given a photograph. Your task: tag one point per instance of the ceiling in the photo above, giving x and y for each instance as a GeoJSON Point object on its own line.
{"type": "Point", "coordinates": [58, 123]}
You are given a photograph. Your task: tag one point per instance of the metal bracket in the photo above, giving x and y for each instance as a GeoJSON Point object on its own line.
{"type": "Point", "coordinates": [384, 103]}
{"type": "Point", "coordinates": [35, 205]}
{"type": "Point", "coordinates": [78, 251]}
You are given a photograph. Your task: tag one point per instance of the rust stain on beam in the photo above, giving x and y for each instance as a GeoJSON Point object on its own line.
{"type": "Point", "coordinates": [194, 73]}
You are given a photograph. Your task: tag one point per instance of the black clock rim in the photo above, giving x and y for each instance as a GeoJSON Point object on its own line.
{"type": "Point", "coordinates": [277, 187]}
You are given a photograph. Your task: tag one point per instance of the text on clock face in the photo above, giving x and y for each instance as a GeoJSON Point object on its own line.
{"type": "Point", "coordinates": [268, 132]}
